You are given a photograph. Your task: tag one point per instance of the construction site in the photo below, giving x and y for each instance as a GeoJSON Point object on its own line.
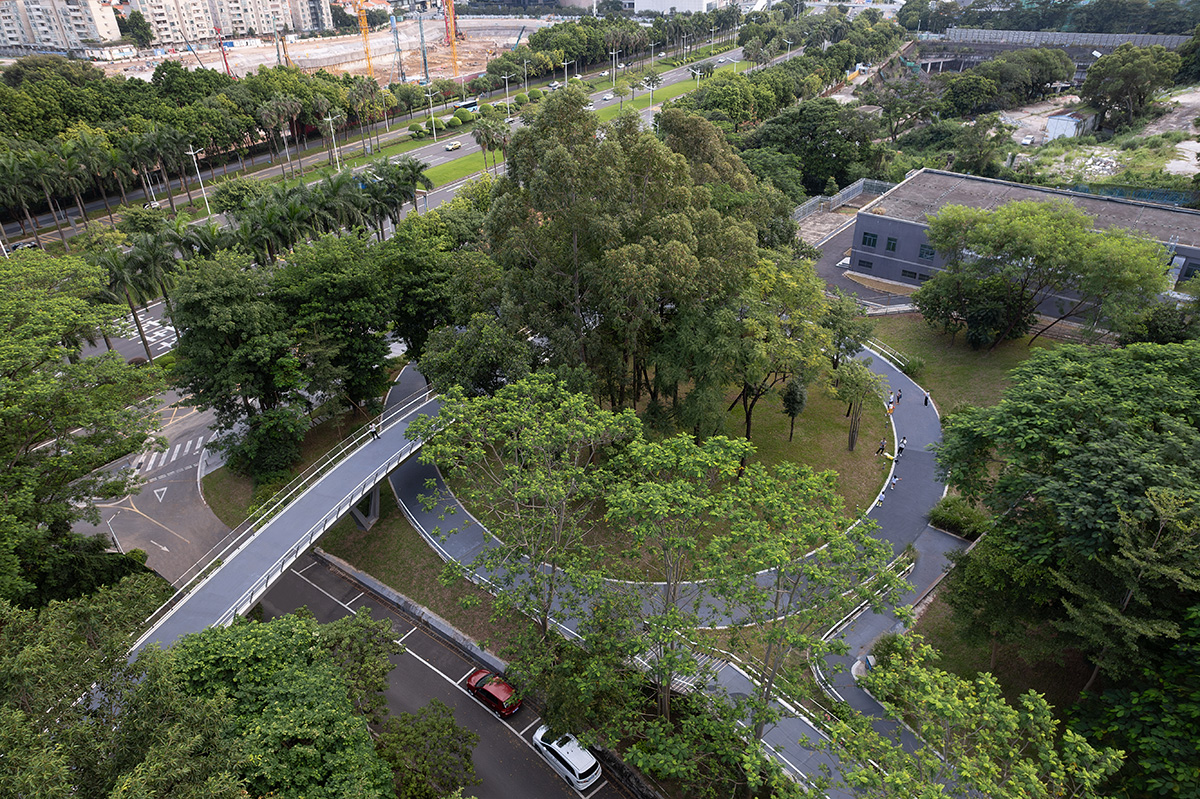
{"type": "Point", "coordinates": [416, 48]}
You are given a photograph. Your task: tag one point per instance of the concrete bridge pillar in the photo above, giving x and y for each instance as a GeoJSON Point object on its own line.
{"type": "Point", "coordinates": [367, 521]}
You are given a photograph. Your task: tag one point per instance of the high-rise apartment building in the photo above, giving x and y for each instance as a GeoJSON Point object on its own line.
{"type": "Point", "coordinates": [56, 25]}
{"type": "Point", "coordinates": [177, 22]}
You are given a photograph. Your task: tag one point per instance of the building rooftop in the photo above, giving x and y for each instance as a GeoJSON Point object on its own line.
{"type": "Point", "coordinates": [929, 190]}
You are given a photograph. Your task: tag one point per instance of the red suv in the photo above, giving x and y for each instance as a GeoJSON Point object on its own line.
{"type": "Point", "coordinates": [496, 694]}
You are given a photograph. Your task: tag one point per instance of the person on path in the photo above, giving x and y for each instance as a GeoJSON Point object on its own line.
{"type": "Point", "coordinates": [891, 407]}
{"type": "Point", "coordinates": [895, 479]}
{"type": "Point", "coordinates": [900, 447]}
{"type": "Point", "coordinates": [899, 394]}
{"type": "Point", "coordinates": [879, 502]}
{"type": "Point", "coordinates": [891, 397]}
{"type": "Point", "coordinates": [373, 429]}
{"type": "Point", "coordinates": [882, 446]}
{"type": "Point", "coordinates": [927, 398]}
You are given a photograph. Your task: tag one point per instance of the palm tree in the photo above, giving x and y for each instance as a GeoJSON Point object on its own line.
{"type": "Point", "coordinates": [43, 165]}
{"type": "Point", "coordinates": [485, 136]}
{"type": "Point", "coordinates": [15, 188]}
{"type": "Point", "coordinates": [204, 241]}
{"type": "Point", "coordinates": [92, 149]}
{"type": "Point", "coordinates": [75, 177]}
{"type": "Point", "coordinates": [150, 156]}
{"type": "Point", "coordinates": [125, 280]}
{"type": "Point", "coordinates": [153, 255]}
{"type": "Point", "coordinates": [410, 174]}
{"type": "Point", "coordinates": [338, 202]}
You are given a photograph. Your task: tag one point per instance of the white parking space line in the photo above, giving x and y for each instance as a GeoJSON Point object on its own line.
{"type": "Point", "coordinates": [599, 785]}
{"type": "Point", "coordinates": [465, 676]}
{"type": "Point", "coordinates": [360, 596]}
{"type": "Point", "coordinates": [400, 640]}
{"type": "Point", "coordinates": [530, 727]}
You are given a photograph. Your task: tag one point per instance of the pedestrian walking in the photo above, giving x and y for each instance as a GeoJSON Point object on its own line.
{"type": "Point", "coordinates": [926, 399]}
{"type": "Point", "coordinates": [899, 394]}
{"type": "Point", "coordinates": [891, 407]}
{"type": "Point", "coordinates": [895, 479]}
{"type": "Point", "coordinates": [891, 397]}
{"type": "Point", "coordinates": [900, 447]}
{"type": "Point", "coordinates": [373, 429]}
{"type": "Point", "coordinates": [879, 502]}
{"type": "Point", "coordinates": [882, 446]}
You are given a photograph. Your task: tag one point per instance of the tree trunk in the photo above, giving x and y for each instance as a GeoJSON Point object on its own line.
{"type": "Point", "coordinates": [82, 215]}
{"type": "Point", "coordinates": [167, 183]}
{"type": "Point", "coordinates": [57, 226]}
{"type": "Point", "coordinates": [138, 322]}
{"type": "Point", "coordinates": [104, 196]}
{"type": "Point", "coordinates": [32, 226]}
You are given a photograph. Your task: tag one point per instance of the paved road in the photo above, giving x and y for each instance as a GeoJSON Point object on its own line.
{"type": "Point", "coordinates": [429, 669]}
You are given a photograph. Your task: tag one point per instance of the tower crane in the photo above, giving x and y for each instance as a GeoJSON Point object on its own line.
{"type": "Point", "coordinates": [361, 8]}
{"type": "Point", "coordinates": [452, 34]}
{"type": "Point", "coordinates": [224, 55]}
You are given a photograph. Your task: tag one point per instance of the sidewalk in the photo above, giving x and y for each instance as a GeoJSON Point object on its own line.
{"type": "Point", "coordinates": [455, 535]}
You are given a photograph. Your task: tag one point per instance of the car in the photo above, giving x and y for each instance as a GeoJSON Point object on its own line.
{"type": "Point", "coordinates": [151, 204]}
{"type": "Point", "coordinates": [604, 74]}
{"type": "Point", "coordinates": [1028, 140]}
{"type": "Point", "coordinates": [721, 60]}
{"type": "Point", "coordinates": [25, 245]}
{"type": "Point", "coordinates": [620, 66]}
{"type": "Point", "coordinates": [662, 55]}
{"type": "Point", "coordinates": [608, 97]}
{"type": "Point", "coordinates": [590, 107]}
{"type": "Point", "coordinates": [573, 763]}
{"type": "Point", "coordinates": [453, 145]}
{"type": "Point", "coordinates": [553, 85]}
{"type": "Point", "coordinates": [493, 692]}
{"type": "Point", "coordinates": [509, 120]}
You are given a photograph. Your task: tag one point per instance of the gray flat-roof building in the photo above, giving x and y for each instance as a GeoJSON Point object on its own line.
{"type": "Point", "coordinates": [889, 232]}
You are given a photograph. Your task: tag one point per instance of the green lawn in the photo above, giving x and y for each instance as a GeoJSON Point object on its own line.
{"type": "Point", "coordinates": [459, 168]}
{"type": "Point", "coordinates": [954, 373]}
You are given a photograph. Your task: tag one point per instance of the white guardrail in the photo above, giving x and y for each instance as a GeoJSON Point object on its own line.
{"type": "Point", "coordinates": [249, 530]}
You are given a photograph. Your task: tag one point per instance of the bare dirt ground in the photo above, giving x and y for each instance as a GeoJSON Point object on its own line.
{"type": "Point", "coordinates": [338, 54]}
{"type": "Point", "coordinates": [1181, 118]}
{"type": "Point", "coordinates": [1031, 119]}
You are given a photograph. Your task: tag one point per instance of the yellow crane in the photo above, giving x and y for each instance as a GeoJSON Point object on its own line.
{"type": "Point", "coordinates": [365, 31]}
{"type": "Point", "coordinates": [452, 34]}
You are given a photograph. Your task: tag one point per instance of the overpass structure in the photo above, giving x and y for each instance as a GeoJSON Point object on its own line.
{"type": "Point", "coordinates": [280, 532]}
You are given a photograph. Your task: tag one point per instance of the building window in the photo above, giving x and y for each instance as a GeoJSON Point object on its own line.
{"type": "Point", "coordinates": [891, 244]}
{"type": "Point", "coordinates": [869, 240]}
{"type": "Point", "coordinates": [922, 277]}
{"type": "Point", "coordinates": [864, 264]}
{"type": "Point", "coordinates": [926, 253]}
{"type": "Point", "coordinates": [908, 274]}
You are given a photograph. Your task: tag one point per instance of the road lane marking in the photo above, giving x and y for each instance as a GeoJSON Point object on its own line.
{"type": "Point", "coordinates": [187, 449]}
{"type": "Point", "coordinates": [175, 454]}
{"type": "Point", "coordinates": [465, 676]}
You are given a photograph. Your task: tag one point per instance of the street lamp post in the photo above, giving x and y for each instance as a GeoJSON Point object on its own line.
{"type": "Point", "coordinates": [789, 43]}
{"type": "Point", "coordinates": [735, 63]}
{"type": "Point", "coordinates": [652, 45]}
{"type": "Point", "coordinates": [614, 54]}
{"type": "Point", "coordinates": [685, 37]}
{"type": "Point", "coordinates": [336, 158]}
{"type": "Point", "coordinates": [712, 41]}
{"type": "Point", "coordinates": [432, 121]}
{"type": "Point", "coordinates": [695, 72]}
{"type": "Point", "coordinates": [192, 152]}
{"type": "Point", "coordinates": [565, 65]}
{"type": "Point", "coordinates": [525, 64]}
{"type": "Point", "coordinates": [506, 77]}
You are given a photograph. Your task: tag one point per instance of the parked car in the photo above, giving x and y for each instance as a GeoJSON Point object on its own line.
{"type": "Point", "coordinates": [493, 692]}
{"type": "Point", "coordinates": [453, 145]}
{"type": "Point", "coordinates": [573, 763]}
{"type": "Point", "coordinates": [25, 245]}
{"type": "Point", "coordinates": [608, 97]}
{"type": "Point", "coordinates": [151, 204]}
{"type": "Point", "coordinates": [1028, 140]}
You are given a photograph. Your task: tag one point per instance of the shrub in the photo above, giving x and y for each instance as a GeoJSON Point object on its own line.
{"type": "Point", "coordinates": [956, 515]}
{"type": "Point", "coordinates": [416, 127]}
{"type": "Point", "coordinates": [440, 124]}
{"type": "Point", "coordinates": [485, 110]}
{"type": "Point", "coordinates": [464, 116]}
{"type": "Point", "coordinates": [520, 99]}
{"type": "Point", "coordinates": [913, 366]}
{"type": "Point", "coordinates": [454, 122]}
{"type": "Point", "coordinates": [535, 95]}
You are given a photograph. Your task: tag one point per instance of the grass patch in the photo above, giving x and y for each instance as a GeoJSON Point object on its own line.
{"type": "Point", "coordinates": [822, 435]}
{"type": "Point", "coordinates": [642, 101]}
{"type": "Point", "coordinates": [228, 496]}
{"type": "Point", "coordinates": [459, 168]}
{"type": "Point", "coordinates": [1059, 682]}
{"type": "Point", "coordinates": [396, 554]}
{"type": "Point", "coordinates": [954, 373]}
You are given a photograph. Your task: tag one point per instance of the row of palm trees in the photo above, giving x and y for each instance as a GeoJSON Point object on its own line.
{"type": "Point", "coordinates": [284, 217]}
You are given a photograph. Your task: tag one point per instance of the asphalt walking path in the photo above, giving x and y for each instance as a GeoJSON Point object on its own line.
{"type": "Point", "coordinates": [902, 519]}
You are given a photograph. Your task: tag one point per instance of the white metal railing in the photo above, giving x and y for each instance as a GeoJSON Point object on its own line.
{"type": "Point", "coordinates": [248, 530]}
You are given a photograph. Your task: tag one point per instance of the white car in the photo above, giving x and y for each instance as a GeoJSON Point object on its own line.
{"type": "Point", "coordinates": [590, 107]}
{"type": "Point", "coordinates": [573, 763]}
{"type": "Point", "coordinates": [721, 60]}
{"type": "Point", "coordinates": [1028, 140]}
{"type": "Point", "coordinates": [608, 97]}
{"type": "Point", "coordinates": [454, 145]}
{"type": "Point", "coordinates": [620, 66]}
{"type": "Point", "coordinates": [604, 74]}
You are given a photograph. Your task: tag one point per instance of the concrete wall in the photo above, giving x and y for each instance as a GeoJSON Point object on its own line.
{"type": "Point", "coordinates": [904, 264]}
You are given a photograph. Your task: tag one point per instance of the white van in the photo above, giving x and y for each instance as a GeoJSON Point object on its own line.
{"type": "Point", "coordinates": [573, 763]}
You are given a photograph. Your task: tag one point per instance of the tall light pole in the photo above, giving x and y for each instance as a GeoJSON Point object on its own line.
{"type": "Point", "coordinates": [789, 43]}
{"type": "Point", "coordinates": [565, 65]}
{"type": "Point", "coordinates": [712, 32]}
{"type": "Point", "coordinates": [735, 63]}
{"type": "Point", "coordinates": [614, 54]}
{"type": "Point", "coordinates": [432, 121]}
{"type": "Point", "coordinates": [695, 72]}
{"type": "Point", "coordinates": [336, 158]}
{"type": "Point", "coordinates": [525, 64]}
{"type": "Point", "coordinates": [685, 37]}
{"type": "Point", "coordinates": [652, 44]}
{"type": "Point", "coordinates": [192, 152]}
{"type": "Point", "coordinates": [506, 77]}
